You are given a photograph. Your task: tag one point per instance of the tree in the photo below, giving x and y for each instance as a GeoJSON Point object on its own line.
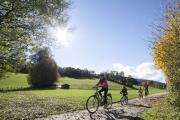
{"type": "Point", "coordinates": [24, 68]}
{"type": "Point", "coordinates": [121, 74]}
{"type": "Point", "coordinates": [130, 81]}
{"type": "Point", "coordinates": [23, 28]}
{"type": "Point", "coordinates": [166, 53]}
{"type": "Point", "coordinates": [44, 72]}
{"type": "Point", "coordinates": [151, 83]}
{"type": "Point", "coordinates": [122, 78]}
{"type": "Point", "coordinates": [76, 72]}
{"type": "Point", "coordinates": [111, 75]}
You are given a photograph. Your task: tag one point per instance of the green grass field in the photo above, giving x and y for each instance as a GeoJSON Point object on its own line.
{"type": "Point", "coordinates": [30, 104]}
{"type": "Point", "coordinates": [15, 81]}
{"type": "Point", "coordinates": [160, 111]}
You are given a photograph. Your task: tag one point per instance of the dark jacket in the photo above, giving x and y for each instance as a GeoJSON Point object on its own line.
{"type": "Point", "coordinates": [124, 91]}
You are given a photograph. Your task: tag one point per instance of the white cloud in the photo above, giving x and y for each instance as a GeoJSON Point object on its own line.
{"type": "Point", "coordinates": [142, 71]}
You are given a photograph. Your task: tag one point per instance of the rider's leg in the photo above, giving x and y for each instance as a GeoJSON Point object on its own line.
{"type": "Point", "coordinates": [125, 96]}
{"type": "Point", "coordinates": [100, 92]}
{"type": "Point", "coordinates": [146, 92]}
{"type": "Point", "coordinates": [105, 95]}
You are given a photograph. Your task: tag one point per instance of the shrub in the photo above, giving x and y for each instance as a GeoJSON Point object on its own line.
{"type": "Point", "coordinates": [65, 86]}
{"type": "Point", "coordinates": [43, 72]}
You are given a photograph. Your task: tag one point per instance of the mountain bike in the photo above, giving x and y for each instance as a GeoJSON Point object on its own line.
{"type": "Point", "coordinates": [95, 101]}
{"type": "Point", "coordinates": [124, 100]}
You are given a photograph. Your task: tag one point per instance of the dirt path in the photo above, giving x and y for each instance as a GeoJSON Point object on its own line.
{"type": "Point", "coordinates": [117, 112]}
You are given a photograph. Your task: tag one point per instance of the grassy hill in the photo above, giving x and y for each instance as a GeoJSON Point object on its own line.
{"type": "Point", "coordinates": [86, 83]}
{"type": "Point", "coordinates": [30, 104]}
{"type": "Point", "coordinates": [15, 81]}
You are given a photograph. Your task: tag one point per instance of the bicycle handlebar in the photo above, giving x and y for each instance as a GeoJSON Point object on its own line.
{"type": "Point", "coordinates": [95, 87]}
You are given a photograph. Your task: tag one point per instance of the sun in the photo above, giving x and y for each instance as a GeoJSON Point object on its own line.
{"type": "Point", "coordinates": [61, 35]}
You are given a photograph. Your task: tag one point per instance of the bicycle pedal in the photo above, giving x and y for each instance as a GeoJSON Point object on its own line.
{"type": "Point", "coordinates": [102, 104]}
{"type": "Point", "coordinates": [105, 106]}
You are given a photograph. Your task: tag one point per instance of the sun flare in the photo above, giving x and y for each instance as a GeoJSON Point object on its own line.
{"type": "Point", "coordinates": [61, 35]}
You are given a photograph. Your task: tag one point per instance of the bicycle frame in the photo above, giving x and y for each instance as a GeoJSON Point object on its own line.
{"type": "Point", "coordinates": [98, 95]}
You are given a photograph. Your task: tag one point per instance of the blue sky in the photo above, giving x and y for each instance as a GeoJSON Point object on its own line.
{"type": "Point", "coordinates": [111, 35]}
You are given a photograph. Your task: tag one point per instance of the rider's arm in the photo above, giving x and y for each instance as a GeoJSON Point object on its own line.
{"type": "Point", "coordinates": [121, 92]}
{"type": "Point", "coordinates": [98, 83]}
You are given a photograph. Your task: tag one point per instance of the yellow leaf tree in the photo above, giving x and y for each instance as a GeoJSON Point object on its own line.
{"type": "Point", "coordinates": [166, 53]}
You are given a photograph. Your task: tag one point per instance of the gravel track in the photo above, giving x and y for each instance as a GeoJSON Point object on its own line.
{"type": "Point", "coordinates": [117, 112]}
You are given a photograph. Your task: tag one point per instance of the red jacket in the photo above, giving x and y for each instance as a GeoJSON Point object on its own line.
{"type": "Point", "coordinates": [102, 83]}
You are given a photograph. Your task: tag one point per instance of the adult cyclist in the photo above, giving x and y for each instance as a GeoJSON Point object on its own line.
{"type": "Point", "coordinates": [104, 87]}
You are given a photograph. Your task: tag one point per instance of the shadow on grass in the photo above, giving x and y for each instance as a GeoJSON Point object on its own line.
{"type": "Point", "coordinates": [24, 89]}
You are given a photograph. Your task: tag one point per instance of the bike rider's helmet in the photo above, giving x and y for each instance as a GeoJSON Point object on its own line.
{"type": "Point", "coordinates": [123, 87]}
{"type": "Point", "coordinates": [102, 76]}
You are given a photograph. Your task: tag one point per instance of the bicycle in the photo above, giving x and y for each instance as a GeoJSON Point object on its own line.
{"type": "Point", "coordinates": [140, 95]}
{"type": "Point", "coordinates": [94, 101]}
{"type": "Point", "coordinates": [124, 100]}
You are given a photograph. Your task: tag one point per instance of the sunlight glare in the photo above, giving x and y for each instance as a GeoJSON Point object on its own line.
{"type": "Point", "coordinates": [62, 35]}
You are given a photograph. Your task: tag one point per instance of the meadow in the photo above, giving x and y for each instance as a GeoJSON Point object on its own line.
{"type": "Point", "coordinates": [20, 102]}
{"type": "Point", "coordinates": [160, 111]}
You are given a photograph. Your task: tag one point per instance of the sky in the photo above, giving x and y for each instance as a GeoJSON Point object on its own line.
{"type": "Point", "coordinates": [110, 35]}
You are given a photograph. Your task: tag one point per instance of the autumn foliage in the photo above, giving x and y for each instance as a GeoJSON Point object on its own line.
{"type": "Point", "coordinates": [166, 53]}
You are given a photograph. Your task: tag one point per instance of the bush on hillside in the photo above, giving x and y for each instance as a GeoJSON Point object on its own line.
{"type": "Point", "coordinates": [43, 72]}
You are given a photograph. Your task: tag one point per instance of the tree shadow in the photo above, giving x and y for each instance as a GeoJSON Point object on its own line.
{"type": "Point", "coordinates": [23, 89]}
{"type": "Point", "coordinates": [114, 115]}
{"type": "Point", "coordinates": [139, 105]}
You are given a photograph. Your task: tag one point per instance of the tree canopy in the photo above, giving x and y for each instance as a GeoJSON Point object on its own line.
{"type": "Point", "coordinates": [76, 72]}
{"type": "Point", "coordinates": [23, 28]}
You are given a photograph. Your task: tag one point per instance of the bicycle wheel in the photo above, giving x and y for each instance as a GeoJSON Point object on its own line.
{"type": "Point", "coordinates": [122, 100]}
{"type": "Point", "coordinates": [109, 101]}
{"type": "Point", "coordinates": [126, 100]}
{"type": "Point", "coordinates": [92, 104]}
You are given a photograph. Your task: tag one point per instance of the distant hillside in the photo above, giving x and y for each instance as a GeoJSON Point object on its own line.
{"type": "Point", "coordinates": [152, 83]}
{"type": "Point", "coordinates": [155, 83]}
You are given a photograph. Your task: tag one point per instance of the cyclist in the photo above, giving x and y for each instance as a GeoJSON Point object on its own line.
{"type": "Point", "coordinates": [124, 91]}
{"type": "Point", "coordinates": [146, 89]}
{"type": "Point", "coordinates": [104, 84]}
{"type": "Point", "coordinates": [140, 91]}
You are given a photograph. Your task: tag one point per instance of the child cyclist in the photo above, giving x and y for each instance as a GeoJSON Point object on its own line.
{"type": "Point", "coordinates": [104, 85]}
{"type": "Point", "coordinates": [140, 91]}
{"type": "Point", "coordinates": [146, 89]}
{"type": "Point", "coordinates": [124, 91]}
